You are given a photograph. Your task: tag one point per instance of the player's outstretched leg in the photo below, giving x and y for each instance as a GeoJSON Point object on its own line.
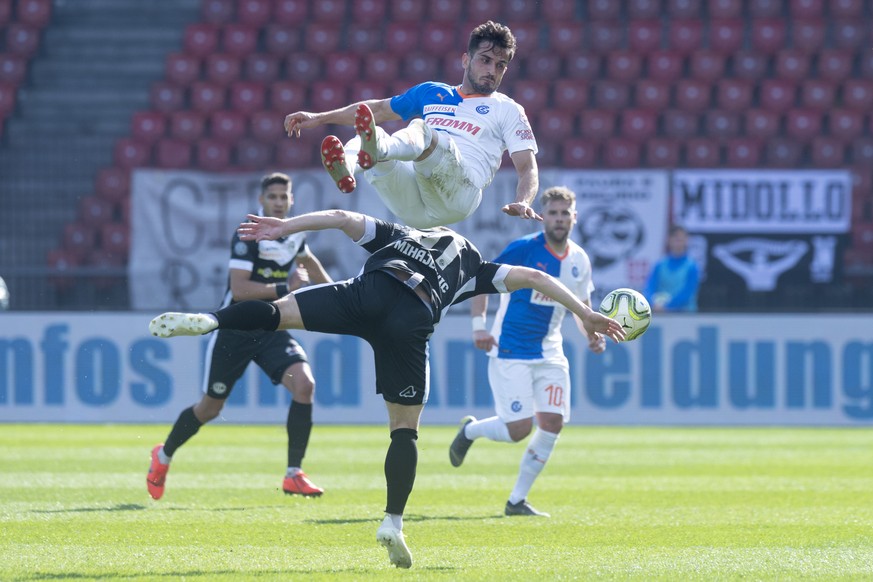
{"type": "Point", "coordinates": [172, 324]}
{"type": "Point", "coordinates": [365, 126]}
{"type": "Point", "coordinates": [333, 157]}
{"type": "Point", "coordinates": [523, 508]}
{"type": "Point", "coordinates": [157, 475]}
{"type": "Point", "coordinates": [393, 540]}
{"type": "Point", "coordinates": [459, 447]}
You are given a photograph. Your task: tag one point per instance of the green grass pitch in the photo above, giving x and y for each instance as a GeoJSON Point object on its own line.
{"type": "Point", "coordinates": [626, 503]}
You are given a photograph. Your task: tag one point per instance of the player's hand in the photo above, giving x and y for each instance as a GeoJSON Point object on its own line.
{"type": "Point", "coordinates": [484, 340]}
{"type": "Point", "coordinates": [595, 322]}
{"type": "Point", "coordinates": [521, 210]}
{"type": "Point", "coordinates": [260, 228]}
{"type": "Point", "coordinates": [299, 278]}
{"type": "Point", "coordinates": [294, 122]}
{"type": "Point", "coordinates": [596, 343]}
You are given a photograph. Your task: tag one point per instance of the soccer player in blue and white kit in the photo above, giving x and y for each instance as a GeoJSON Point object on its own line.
{"type": "Point", "coordinates": [528, 372]}
{"type": "Point", "coordinates": [432, 172]}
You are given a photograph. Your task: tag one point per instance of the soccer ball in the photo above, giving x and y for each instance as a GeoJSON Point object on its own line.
{"type": "Point", "coordinates": [630, 309]}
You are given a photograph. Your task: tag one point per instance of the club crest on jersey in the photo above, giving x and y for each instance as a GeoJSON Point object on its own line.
{"type": "Point", "coordinates": [483, 109]}
{"type": "Point", "coordinates": [240, 249]}
{"type": "Point", "coordinates": [575, 272]}
{"type": "Point", "coordinates": [515, 406]}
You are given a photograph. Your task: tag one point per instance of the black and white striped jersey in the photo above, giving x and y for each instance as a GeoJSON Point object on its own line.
{"type": "Point", "coordinates": [452, 266]}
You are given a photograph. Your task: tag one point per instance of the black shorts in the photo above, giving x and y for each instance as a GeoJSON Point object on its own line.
{"type": "Point", "coordinates": [387, 314]}
{"type": "Point", "coordinates": [230, 351]}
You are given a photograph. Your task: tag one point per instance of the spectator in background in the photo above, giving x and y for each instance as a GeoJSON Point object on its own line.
{"type": "Point", "coordinates": [674, 281]}
{"type": "Point", "coordinates": [432, 172]}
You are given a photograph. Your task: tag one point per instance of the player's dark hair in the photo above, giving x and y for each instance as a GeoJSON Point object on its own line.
{"type": "Point", "coordinates": [557, 193]}
{"type": "Point", "coordinates": [275, 178]}
{"type": "Point", "coordinates": [496, 34]}
{"type": "Point", "coordinates": [676, 228]}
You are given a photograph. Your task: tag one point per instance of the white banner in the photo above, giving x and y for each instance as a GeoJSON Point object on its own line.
{"type": "Point", "coordinates": [686, 370]}
{"type": "Point", "coordinates": [763, 201]}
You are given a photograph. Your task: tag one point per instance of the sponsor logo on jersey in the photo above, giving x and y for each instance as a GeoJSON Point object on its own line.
{"type": "Point", "coordinates": [219, 388]}
{"type": "Point", "coordinates": [408, 392]}
{"type": "Point", "coordinates": [524, 134]}
{"type": "Point", "coordinates": [483, 109]}
{"type": "Point", "coordinates": [452, 123]}
{"type": "Point", "coordinates": [268, 273]}
{"type": "Point", "coordinates": [538, 298]}
{"type": "Point", "coordinates": [435, 108]}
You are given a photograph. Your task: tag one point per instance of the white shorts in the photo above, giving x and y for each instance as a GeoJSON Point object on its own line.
{"type": "Point", "coordinates": [522, 387]}
{"type": "Point", "coordinates": [433, 192]}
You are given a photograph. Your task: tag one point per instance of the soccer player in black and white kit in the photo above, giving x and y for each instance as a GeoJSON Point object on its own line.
{"type": "Point", "coordinates": [410, 279]}
{"type": "Point", "coordinates": [259, 270]}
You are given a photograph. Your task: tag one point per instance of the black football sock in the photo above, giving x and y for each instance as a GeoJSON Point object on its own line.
{"type": "Point", "coordinates": [400, 464]}
{"type": "Point", "coordinates": [249, 315]}
{"type": "Point", "coordinates": [299, 426]}
{"type": "Point", "coordinates": [186, 426]}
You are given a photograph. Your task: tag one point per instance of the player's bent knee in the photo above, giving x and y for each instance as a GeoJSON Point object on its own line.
{"type": "Point", "coordinates": [520, 429]}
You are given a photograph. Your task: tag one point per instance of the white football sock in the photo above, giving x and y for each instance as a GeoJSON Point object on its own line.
{"type": "Point", "coordinates": [393, 520]}
{"type": "Point", "coordinates": [406, 144]}
{"type": "Point", "coordinates": [532, 462]}
{"type": "Point", "coordinates": [163, 458]}
{"type": "Point", "coordinates": [490, 428]}
{"type": "Point", "coordinates": [292, 471]}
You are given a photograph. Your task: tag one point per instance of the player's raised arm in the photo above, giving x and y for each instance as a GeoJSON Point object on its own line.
{"type": "Point", "coordinates": [300, 120]}
{"type": "Point", "coordinates": [260, 228]}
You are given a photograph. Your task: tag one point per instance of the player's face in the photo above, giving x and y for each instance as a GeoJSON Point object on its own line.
{"type": "Point", "coordinates": [677, 243]}
{"type": "Point", "coordinates": [559, 218]}
{"type": "Point", "coordinates": [485, 69]}
{"type": "Point", "coordinates": [276, 200]}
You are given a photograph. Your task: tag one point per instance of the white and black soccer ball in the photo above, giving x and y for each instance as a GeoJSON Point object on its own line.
{"type": "Point", "coordinates": [630, 309]}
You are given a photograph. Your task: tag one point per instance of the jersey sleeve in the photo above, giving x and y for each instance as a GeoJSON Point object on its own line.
{"type": "Point", "coordinates": [515, 253]}
{"type": "Point", "coordinates": [517, 132]}
{"type": "Point", "coordinates": [242, 254]}
{"type": "Point", "coordinates": [410, 104]}
{"type": "Point", "coordinates": [490, 278]}
{"type": "Point", "coordinates": [379, 233]}
{"type": "Point", "coordinates": [303, 251]}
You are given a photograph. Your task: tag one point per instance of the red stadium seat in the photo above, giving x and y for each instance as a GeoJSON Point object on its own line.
{"type": "Point", "coordinates": [725, 8]}
{"type": "Point", "coordinates": [322, 38]}
{"type": "Point", "coordinates": [112, 184]}
{"type": "Point", "coordinates": [807, 35]}
{"type": "Point", "coordinates": [765, 8]}
{"type": "Point", "coordinates": [721, 124]}
{"type": "Point", "coordinates": [453, 67]}
{"type": "Point", "coordinates": [578, 153]}
{"type": "Point", "coordinates": [777, 94]}
{"type": "Point", "coordinates": [742, 152]}
{"type": "Point", "coordinates": [693, 95]}
{"type": "Point", "coordinates": [858, 94]}
{"type": "Point", "coordinates": [62, 263]}
{"type": "Point", "coordinates": [79, 239]}
{"type": "Point", "coordinates": [570, 94]}
{"type": "Point", "coordinates": [366, 90]}
{"type": "Point", "coordinates": [849, 33]}
{"type": "Point", "coordinates": [845, 124]}
{"type": "Point", "coordinates": [606, 36]}
{"type": "Point", "coordinates": [706, 65]}
{"type": "Point", "coordinates": [802, 124]}
{"type": "Point", "coordinates": [836, 65]}
{"type": "Point", "coordinates": [329, 95]}
{"type": "Point", "coordinates": [408, 10]}
{"type": "Point", "coordinates": [267, 126]}
{"type": "Point", "coordinates": [846, 8]}
{"type": "Point", "coordinates": [108, 262]}
{"type": "Point", "coordinates": [749, 65]}
{"type": "Point", "coordinates": [664, 65]}
{"type": "Point", "coordinates": [402, 37]}
{"type": "Point", "coordinates": [623, 66]}
{"type": "Point", "coordinates": [644, 8]}
{"type": "Point", "coordinates": [827, 152]}
{"type": "Point", "coordinates": [247, 97]}
{"type": "Point", "coordinates": [611, 95]}
{"type": "Point", "coordinates": [207, 97]}
{"type": "Point", "coordinates": [94, 211]}
{"type": "Point", "coordinates": [597, 125]}
{"type": "Point", "coordinates": [217, 11]}
{"type": "Point", "coordinates": [381, 67]}
{"type": "Point", "coordinates": [644, 36]}
{"type": "Point", "coordinates": [685, 36]}
{"type": "Point", "coordinates": [7, 99]}
{"type": "Point", "coordinates": [548, 155]}
{"type": "Point", "coordinates": [227, 126]}
{"type": "Point", "coordinates": [583, 66]}
{"type": "Point", "coordinates": [792, 65]}
{"type": "Point", "coordinates": [545, 66]}
{"type": "Point", "coordinates": [115, 238]}
{"type": "Point", "coordinates": [36, 13]}
{"type": "Point", "coordinates": [419, 67]}
{"type": "Point", "coordinates": [621, 153]}
{"type": "Point", "coordinates": [518, 10]}
{"type": "Point", "coordinates": [782, 153]}
{"type": "Point", "coordinates": [567, 38]}
{"type": "Point", "coordinates": [679, 123]}
{"type": "Point", "coordinates": [287, 96]}
{"type": "Point", "coordinates": [5, 12]}
{"type": "Point", "coordinates": [261, 68]}
{"type": "Point", "coordinates": [762, 123]}
{"type": "Point", "coordinates": [818, 94]}
{"type": "Point", "coordinates": [291, 12]}
{"type": "Point", "coordinates": [13, 69]}
{"type": "Point", "coordinates": [638, 125]}
{"type": "Point", "coordinates": [295, 153]}
{"type": "Point", "coordinates": [187, 125]}
{"type": "Point", "coordinates": [653, 95]}
{"type": "Point", "coordinates": [683, 8]}
{"type": "Point", "coordinates": [148, 126]}
{"type": "Point", "coordinates": [597, 10]}
{"type": "Point", "coordinates": [734, 94]}
{"type": "Point", "coordinates": [343, 67]}
{"type": "Point", "coordinates": [726, 35]}
{"type": "Point", "coordinates": [183, 68]}
{"type": "Point", "coordinates": [281, 40]}
{"type": "Point", "coordinates": [253, 155]}
{"type": "Point", "coordinates": [768, 35]}
{"type": "Point", "coordinates": [364, 40]}
{"type": "Point", "coordinates": [532, 95]}
{"type": "Point", "coordinates": [22, 39]}
{"type": "Point", "coordinates": [200, 39]}
{"type": "Point", "coordinates": [862, 151]}
{"type": "Point", "coordinates": [129, 153]}
{"type": "Point", "coordinates": [702, 153]}
{"type": "Point", "coordinates": [662, 153]}
{"type": "Point", "coordinates": [213, 155]}
{"type": "Point", "coordinates": [222, 69]}
{"type": "Point", "coordinates": [555, 124]}
{"type": "Point", "coordinates": [329, 10]}
{"type": "Point", "coordinates": [439, 38]}
{"type": "Point", "coordinates": [255, 13]}
{"type": "Point", "coordinates": [173, 153]}
{"type": "Point", "coordinates": [303, 67]}
{"type": "Point", "coordinates": [166, 97]}
{"type": "Point", "coordinates": [445, 10]}
{"type": "Point", "coordinates": [807, 8]}
{"type": "Point", "coordinates": [369, 12]}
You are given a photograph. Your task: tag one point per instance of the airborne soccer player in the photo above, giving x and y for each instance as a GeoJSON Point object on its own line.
{"type": "Point", "coordinates": [411, 278]}
{"type": "Point", "coordinates": [432, 172]}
